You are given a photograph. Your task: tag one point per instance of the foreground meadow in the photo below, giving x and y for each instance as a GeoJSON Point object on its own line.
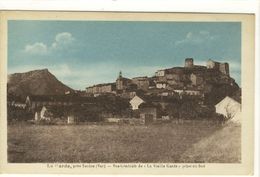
{"type": "Point", "coordinates": [168, 143]}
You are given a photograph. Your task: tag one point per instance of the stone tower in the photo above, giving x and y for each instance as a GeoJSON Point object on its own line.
{"type": "Point", "coordinates": [188, 62]}
{"type": "Point", "coordinates": [120, 82]}
{"type": "Point", "coordinates": [224, 68]}
{"type": "Point", "coordinates": [120, 74]}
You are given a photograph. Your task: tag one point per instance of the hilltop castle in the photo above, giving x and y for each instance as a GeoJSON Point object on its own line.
{"type": "Point", "coordinates": [222, 67]}
{"type": "Point", "coordinates": [191, 79]}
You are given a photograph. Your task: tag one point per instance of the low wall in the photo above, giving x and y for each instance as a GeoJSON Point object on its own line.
{"type": "Point", "coordinates": [190, 121]}
{"type": "Point", "coordinates": [138, 121]}
{"type": "Point", "coordinates": [131, 121]}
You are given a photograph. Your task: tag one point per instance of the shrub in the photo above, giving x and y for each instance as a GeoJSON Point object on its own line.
{"type": "Point", "coordinates": [18, 114]}
{"type": "Point", "coordinates": [188, 110]}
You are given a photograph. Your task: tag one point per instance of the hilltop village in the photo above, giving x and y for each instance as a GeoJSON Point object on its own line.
{"type": "Point", "coordinates": [184, 92]}
{"type": "Point", "coordinates": [191, 80]}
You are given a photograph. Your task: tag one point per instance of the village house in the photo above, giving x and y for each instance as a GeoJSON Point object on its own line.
{"type": "Point", "coordinates": [166, 93]}
{"type": "Point", "coordinates": [67, 92]}
{"type": "Point", "coordinates": [160, 79]}
{"type": "Point", "coordinates": [112, 120]}
{"type": "Point", "coordinates": [229, 108]}
{"type": "Point", "coordinates": [161, 85]}
{"type": "Point", "coordinates": [18, 104]}
{"type": "Point", "coordinates": [173, 82]}
{"type": "Point", "coordinates": [180, 76]}
{"type": "Point", "coordinates": [196, 79]}
{"type": "Point", "coordinates": [141, 82]}
{"type": "Point", "coordinates": [160, 73]}
{"type": "Point", "coordinates": [101, 88]}
{"type": "Point", "coordinates": [173, 77]}
{"type": "Point", "coordinates": [54, 113]}
{"type": "Point", "coordinates": [45, 113]}
{"type": "Point", "coordinates": [187, 92]}
{"type": "Point", "coordinates": [128, 94]}
{"type": "Point", "coordinates": [152, 84]}
{"type": "Point", "coordinates": [148, 113]}
{"type": "Point", "coordinates": [71, 119]}
{"type": "Point", "coordinates": [151, 103]}
{"type": "Point", "coordinates": [161, 100]}
{"type": "Point", "coordinates": [192, 92]}
{"type": "Point", "coordinates": [179, 91]}
{"type": "Point", "coordinates": [171, 74]}
{"type": "Point", "coordinates": [34, 101]}
{"type": "Point", "coordinates": [136, 101]}
{"type": "Point", "coordinates": [121, 84]}
{"type": "Point", "coordinates": [15, 101]}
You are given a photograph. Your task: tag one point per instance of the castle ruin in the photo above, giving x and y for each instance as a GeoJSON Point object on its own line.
{"type": "Point", "coordinates": [222, 67]}
{"type": "Point", "coordinates": [188, 63]}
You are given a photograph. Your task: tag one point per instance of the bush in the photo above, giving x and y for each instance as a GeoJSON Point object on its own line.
{"type": "Point", "coordinates": [188, 110]}
{"type": "Point", "coordinates": [84, 113]}
{"type": "Point", "coordinates": [219, 118]}
{"type": "Point", "coordinates": [18, 114]}
{"type": "Point", "coordinates": [172, 109]}
{"type": "Point", "coordinates": [205, 112]}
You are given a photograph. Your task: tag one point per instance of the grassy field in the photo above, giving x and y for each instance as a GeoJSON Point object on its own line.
{"type": "Point", "coordinates": [168, 143]}
{"type": "Point", "coordinates": [218, 147]}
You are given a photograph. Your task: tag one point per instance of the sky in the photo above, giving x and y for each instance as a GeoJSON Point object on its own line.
{"type": "Point", "coordinates": [83, 53]}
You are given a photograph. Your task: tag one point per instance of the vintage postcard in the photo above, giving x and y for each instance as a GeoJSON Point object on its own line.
{"type": "Point", "coordinates": [127, 93]}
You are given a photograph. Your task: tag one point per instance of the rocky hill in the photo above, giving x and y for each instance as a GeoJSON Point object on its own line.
{"type": "Point", "coordinates": [37, 82]}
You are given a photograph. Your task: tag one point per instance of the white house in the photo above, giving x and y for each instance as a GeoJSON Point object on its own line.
{"type": "Point", "coordinates": [161, 85]}
{"type": "Point", "coordinates": [192, 92]}
{"type": "Point", "coordinates": [135, 102]}
{"type": "Point", "coordinates": [42, 114]}
{"type": "Point", "coordinates": [45, 113]}
{"type": "Point", "coordinates": [178, 91]}
{"type": "Point", "coordinates": [188, 92]}
{"type": "Point", "coordinates": [230, 108]}
{"type": "Point", "coordinates": [71, 119]}
{"type": "Point", "coordinates": [160, 73]}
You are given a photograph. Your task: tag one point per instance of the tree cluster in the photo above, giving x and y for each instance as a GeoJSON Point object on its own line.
{"type": "Point", "coordinates": [102, 107]}
{"type": "Point", "coordinates": [19, 114]}
{"type": "Point", "coordinates": [189, 109]}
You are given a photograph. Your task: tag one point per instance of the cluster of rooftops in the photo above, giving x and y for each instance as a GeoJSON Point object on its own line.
{"type": "Point", "coordinates": [190, 77]}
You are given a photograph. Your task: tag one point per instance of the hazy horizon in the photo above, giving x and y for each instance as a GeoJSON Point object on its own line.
{"type": "Point", "coordinates": [84, 53]}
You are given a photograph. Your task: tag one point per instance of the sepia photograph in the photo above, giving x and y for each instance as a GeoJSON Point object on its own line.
{"type": "Point", "coordinates": [127, 88]}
